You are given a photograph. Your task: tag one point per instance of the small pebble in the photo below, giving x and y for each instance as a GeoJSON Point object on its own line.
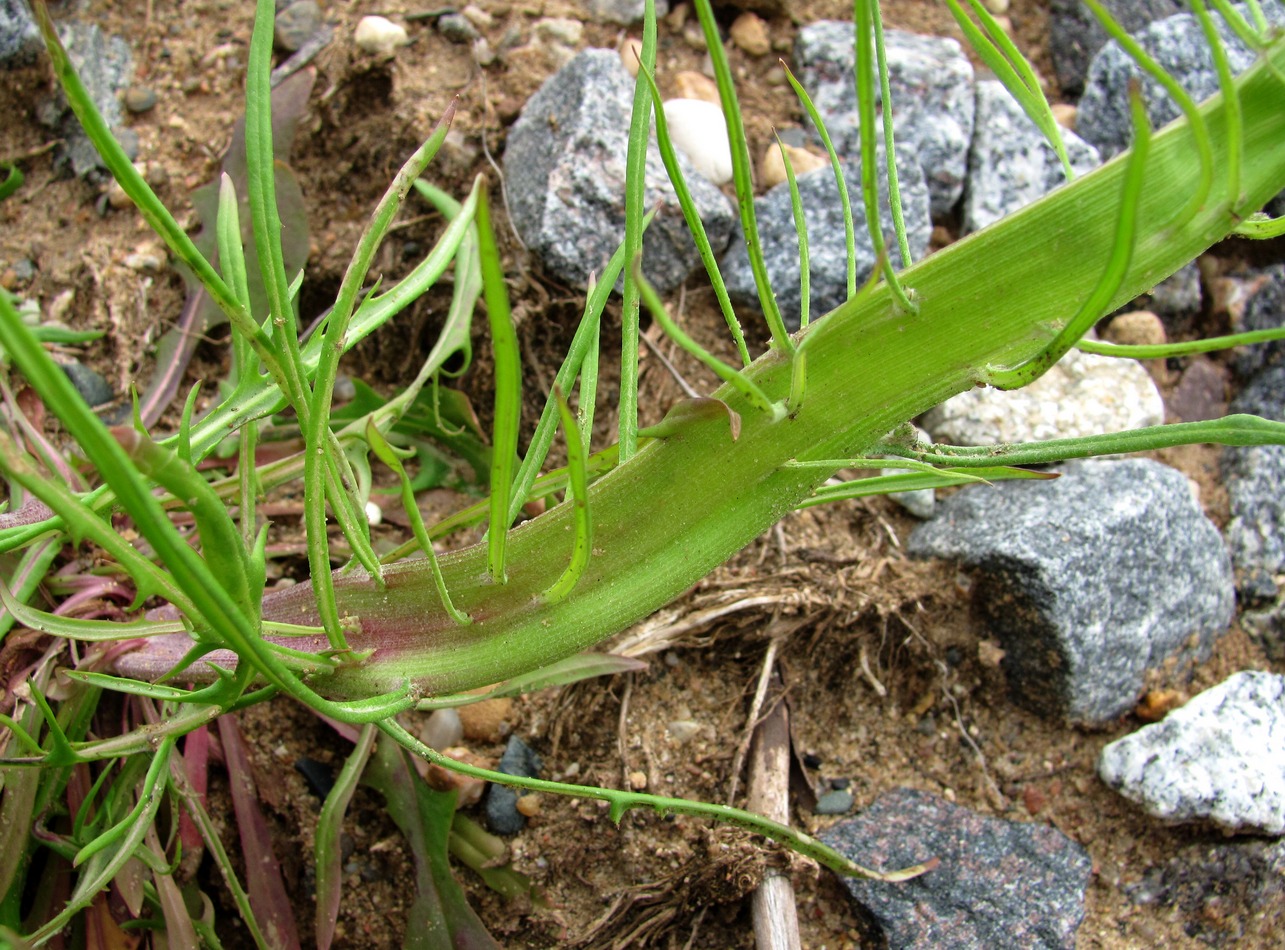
{"type": "Point", "coordinates": [1064, 114]}
{"type": "Point", "coordinates": [834, 802]}
{"type": "Point", "coordinates": [683, 729]}
{"type": "Point", "coordinates": [699, 131]}
{"type": "Point", "coordinates": [528, 805]}
{"type": "Point", "coordinates": [146, 257]}
{"type": "Point", "coordinates": [91, 386]}
{"type": "Point", "coordinates": [630, 54]}
{"type": "Point", "coordinates": [694, 36]}
{"type": "Point", "coordinates": [379, 36]}
{"type": "Point", "coordinates": [457, 28]}
{"type": "Point", "coordinates": [139, 99]}
{"type": "Point", "coordinates": [478, 17]}
{"type": "Point", "coordinates": [812, 760]}
{"type": "Point", "coordinates": [486, 721]}
{"type": "Point", "coordinates": [689, 84]}
{"type": "Point", "coordinates": [997, 7]}
{"type": "Point", "coordinates": [295, 24]}
{"type": "Point", "coordinates": [772, 168]}
{"type": "Point", "coordinates": [637, 780]}
{"type": "Point", "coordinates": [483, 55]}
{"type": "Point", "coordinates": [442, 730]}
{"type": "Point", "coordinates": [374, 514]}
{"type": "Point", "coordinates": [1158, 703]}
{"type": "Point", "coordinates": [749, 32]}
{"type": "Point", "coordinates": [1137, 328]}
{"type": "Point", "coordinates": [562, 30]}
{"type": "Point", "coordinates": [775, 76]}
{"type": "Point", "coordinates": [1005, 24]}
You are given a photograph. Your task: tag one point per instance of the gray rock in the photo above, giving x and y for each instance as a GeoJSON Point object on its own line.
{"type": "Point", "coordinates": [1089, 580]}
{"type": "Point", "coordinates": [1083, 394]}
{"type": "Point", "coordinates": [999, 884]}
{"type": "Point", "coordinates": [624, 12]}
{"type": "Point", "coordinates": [1220, 757]}
{"type": "Point", "coordinates": [502, 814]}
{"type": "Point", "coordinates": [105, 65]}
{"type": "Point", "coordinates": [295, 24]}
{"type": "Point", "coordinates": [1177, 297]}
{"type": "Point", "coordinates": [1075, 36]}
{"type": "Point", "coordinates": [139, 99]}
{"type": "Point", "coordinates": [931, 82]}
{"type": "Point", "coordinates": [456, 28]}
{"type": "Point", "coordinates": [837, 801]}
{"type": "Point", "coordinates": [1225, 893]}
{"type": "Point", "coordinates": [20, 43]}
{"type": "Point", "coordinates": [827, 250]}
{"type": "Point", "coordinates": [1176, 43]}
{"type": "Point", "coordinates": [565, 165]}
{"type": "Point", "coordinates": [1263, 310]}
{"type": "Point", "coordinates": [91, 386]}
{"type": "Point", "coordinates": [1254, 475]}
{"type": "Point", "coordinates": [1010, 163]}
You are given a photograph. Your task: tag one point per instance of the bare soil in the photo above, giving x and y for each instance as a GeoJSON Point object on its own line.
{"type": "Point", "coordinates": [890, 680]}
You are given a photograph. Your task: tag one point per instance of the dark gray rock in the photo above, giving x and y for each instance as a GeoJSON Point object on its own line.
{"type": "Point", "coordinates": [20, 43]}
{"type": "Point", "coordinates": [1226, 893]}
{"type": "Point", "coordinates": [1075, 36]}
{"type": "Point", "coordinates": [999, 884]}
{"type": "Point", "coordinates": [1177, 297]}
{"type": "Point", "coordinates": [827, 249]}
{"type": "Point", "coordinates": [1010, 163]}
{"type": "Point", "coordinates": [91, 386]}
{"type": "Point", "coordinates": [565, 166]}
{"type": "Point", "coordinates": [1264, 310]}
{"type": "Point", "coordinates": [931, 82]}
{"type": "Point", "coordinates": [1221, 758]}
{"type": "Point", "coordinates": [296, 24]}
{"type": "Point", "coordinates": [1088, 581]}
{"type": "Point", "coordinates": [105, 65]}
{"type": "Point", "coordinates": [1177, 44]}
{"type": "Point", "coordinates": [502, 815]}
{"type": "Point", "coordinates": [1254, 475]}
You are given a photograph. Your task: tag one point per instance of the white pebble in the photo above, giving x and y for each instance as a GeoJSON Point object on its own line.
{"type": "Point", "coordinates": [380, 36]}
{"type": "Point", "coordinates": [374, 514]}
{"type": "Point", "coordinates": [699, 131]}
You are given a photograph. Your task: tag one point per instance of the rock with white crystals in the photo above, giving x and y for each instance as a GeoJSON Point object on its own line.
{"type": "Point", "coordinates": [1083, 394]}
{"type": "Point", "coordinates": [20, 43]}
{"type": "Point", "coordinates": [1178, 44]}
{"type": "Point", "coordinates": [931, 83]}
{"type": "Point", "coordinates": [1075, 35]}
{"type": "Point", "coordinates": [1010, 163]}
{"type": "Point", "coordinates": [105, 66]}
{"type": "Point", "coordinates": [624, 12]}
{"type": "Point", "coordinates": [1088, 580]}
{"type": "Point", "coordinates": [698, 130]}
{"type": "Point", "coordinates": [827, 249]}
{"type": "Point", "coordinates": [1221, 757]}
{"type": "Point", "coordinates": [379, 36]}
{"type": "Point", "coordinates": [565, 166]}
{"type": "Point", "coordinates": [1254, 475]}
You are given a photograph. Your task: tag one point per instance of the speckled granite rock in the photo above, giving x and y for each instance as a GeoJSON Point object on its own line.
{"type": "Point", "coordinates": [1089, 580]}
{"type": "Point", "coordinates": [565, 167]}
{"type": "Point", "coordinates": [999, 883]}
{"type": "Point", "coordinates": [827, 250]}
{"type": "Point", "coordinates": [931, 82]}
{"type": "Point", "coordinates": [1010, 164]}
{"type": "Point", "coordinates": [1082, 395]}
{"type": "Point", "coordinates": [1220, 757]}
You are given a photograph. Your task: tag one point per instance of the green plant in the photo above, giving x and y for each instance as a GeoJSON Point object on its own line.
{"type": "Point", "coordinates": [383, 635]}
